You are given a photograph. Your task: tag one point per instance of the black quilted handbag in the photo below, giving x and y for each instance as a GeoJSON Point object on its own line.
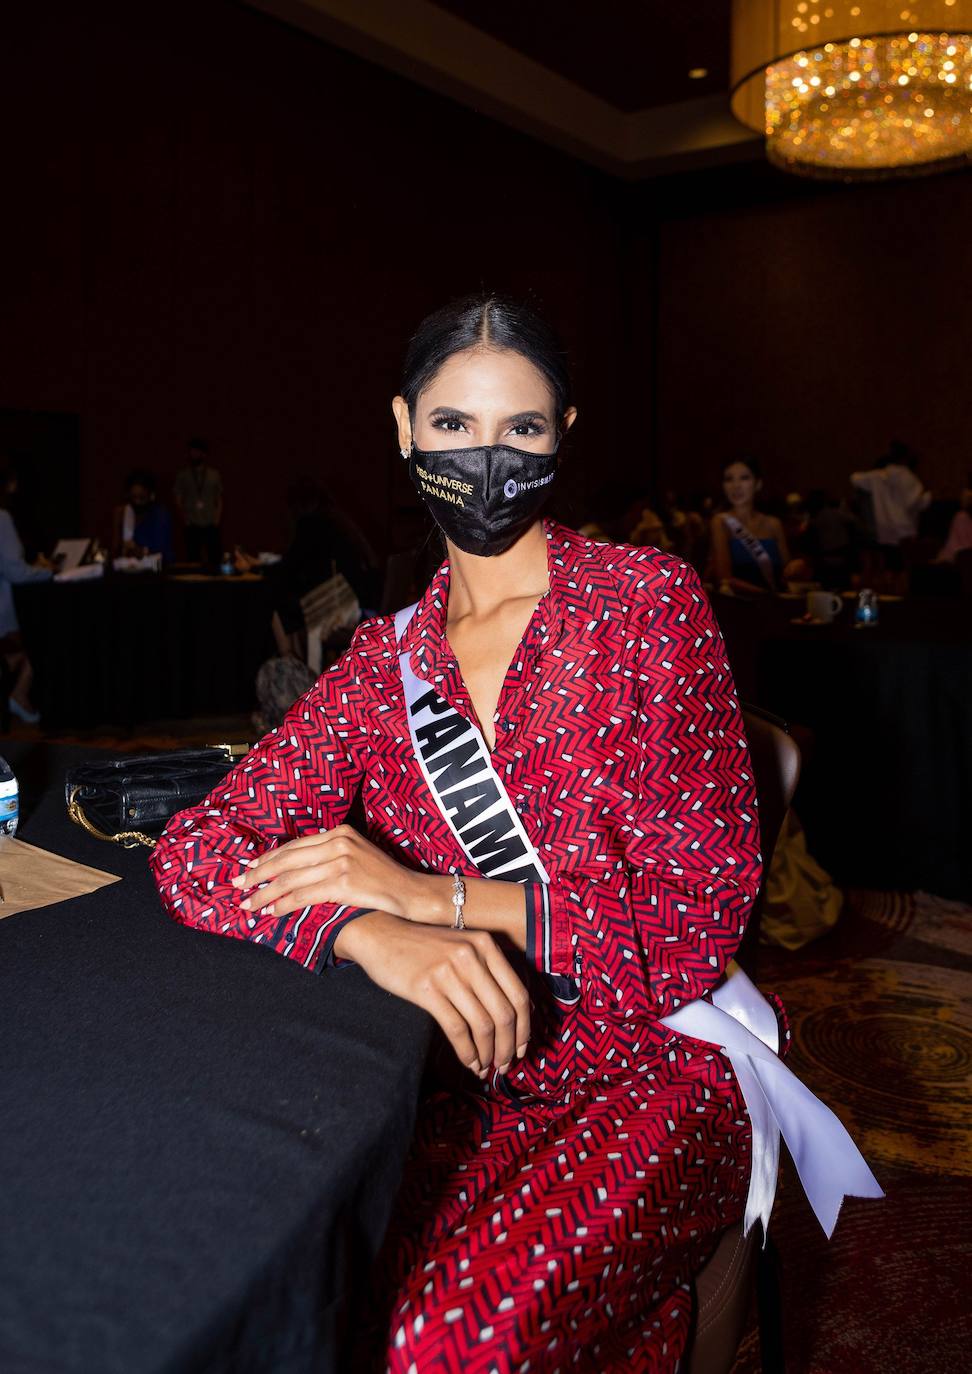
{"type": "Point", "coordinates": [129, 800]}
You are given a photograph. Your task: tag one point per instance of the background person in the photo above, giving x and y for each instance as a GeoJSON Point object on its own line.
{"type": "Point", "coordinates": [13, 571]}
{"type": "Point", "coordinates": [749, 548]}
{"type": "Point", "coordinates": [198, 491]}
{"type": "Point", "coordinates": [960, 529]}
{"type": "Point", "coordinates": [897, 498]}
{"type": "Point", "coordinates": [142, 524]}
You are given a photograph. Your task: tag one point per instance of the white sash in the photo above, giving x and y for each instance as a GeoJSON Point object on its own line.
{"type": "Point", "coordinates": [754, 548]}
{"type": "Point", "coordinates": [471, 796]}
{"type": "Point", "coordinates": [830, 1166]}
{"type": "Point", "coordinates": [467, 788]}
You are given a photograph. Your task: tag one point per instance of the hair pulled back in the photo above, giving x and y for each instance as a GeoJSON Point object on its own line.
{"type": "Point", "coordinates": [744, 460]}
{"type": "Point", "coordinates": [484, 320]}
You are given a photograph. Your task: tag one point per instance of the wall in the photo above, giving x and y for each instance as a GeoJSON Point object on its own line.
{"type": "Point", "coordinates": [216, 225]}
{"type": "Point", "coordinates": [811, 327]}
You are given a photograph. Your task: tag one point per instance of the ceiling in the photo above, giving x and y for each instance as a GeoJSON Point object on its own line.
{"type": "Point", "coordinates": [604, 80]}
{"type": "Point", "coordinates": [635, 54]}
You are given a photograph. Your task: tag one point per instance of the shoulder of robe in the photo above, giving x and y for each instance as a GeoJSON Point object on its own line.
{"type": "Point", "coordinates": [373, 645]}
{"type": "Point", "coordinates": [644, 576]}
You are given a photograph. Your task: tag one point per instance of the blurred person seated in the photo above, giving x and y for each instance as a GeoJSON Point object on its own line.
{"type": "Point", "coordinates": [324, 541]}
{"type": "Point", "coordinates": [832, 540]}
{"type": "Point", "coordinates": [142, 525]}
{"type": "Point", "coordinates": [18, 672]}
{"type": "Point", "coordinates": [959, 536]}
{"type": "Point", "coordinates": [750, 555]}
{"type": "Point", "coordinates": [687, 527]}
{"type": "Point", "coordinates": [796, 523]}
{"type": "Point", "coordinates": [622, 513]}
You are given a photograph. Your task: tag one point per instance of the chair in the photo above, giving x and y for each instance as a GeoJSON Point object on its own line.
{"type": "Point", "coordinates": [329, 607]}
{"type": "Point", "coordinates": [963, 562]}
{"type": "Point", "coordinates": [724, 1285]}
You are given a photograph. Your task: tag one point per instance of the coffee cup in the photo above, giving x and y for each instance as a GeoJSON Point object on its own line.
{"type": "Point", "coordinates": [823, 605]}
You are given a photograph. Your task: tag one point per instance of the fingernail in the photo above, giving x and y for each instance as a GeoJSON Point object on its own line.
{"type": "Point", "coordinates": [476, 1066]}
{"type": "Point", "coordinates": [267, 910]}
{"type": "Point", "coordinates": [238, 881]}
{"type": "Point", "coordinates": [483, 1073]}
{"type": "Point", "coordinates": [245, 904]}
{"type": "Point", "coordinates": [521, 1050]}
{"type": "Point", "coordinates": [504, 1068]}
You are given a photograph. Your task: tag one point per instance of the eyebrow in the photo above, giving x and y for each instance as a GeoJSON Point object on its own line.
{"type": "Point", "coordinates": [521, 418]}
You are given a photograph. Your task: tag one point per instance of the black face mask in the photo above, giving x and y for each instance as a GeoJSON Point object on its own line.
{"type": "Point", "coordinates": [483, 498]}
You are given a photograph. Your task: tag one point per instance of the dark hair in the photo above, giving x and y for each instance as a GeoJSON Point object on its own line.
{"type": "Point", "coordinates": [747, 462]}
{"type": "Point", "coordinates": [484, 320]}
{"type": "Point", "coordinates": [201, 444]}
{"type": "Point", "coordinates": [140, 477]}
{"type": "Point", "coordinates": [899, 452]}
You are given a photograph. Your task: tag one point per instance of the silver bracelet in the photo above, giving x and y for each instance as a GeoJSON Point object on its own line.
{"type": "Point", "coordinates": [458, 901]}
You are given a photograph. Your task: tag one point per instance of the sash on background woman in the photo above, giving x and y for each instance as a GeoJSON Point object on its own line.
{"type": "Point", "coordinates": [754, 547]}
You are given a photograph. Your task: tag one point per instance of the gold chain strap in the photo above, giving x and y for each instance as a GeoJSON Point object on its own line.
{"type": "Point", "coordinates": [129, 839]}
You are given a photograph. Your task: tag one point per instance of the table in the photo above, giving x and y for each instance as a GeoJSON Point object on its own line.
{"type": "Point", "coordinates": [886, 792]}
{"type": "Point", "coordinates": [136, 647]}
{"type": "Point", "coordinates": [201, 1142]}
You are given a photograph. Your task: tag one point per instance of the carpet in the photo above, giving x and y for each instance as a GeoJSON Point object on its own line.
{"type": "Point", "coordinates": [882, 1029]}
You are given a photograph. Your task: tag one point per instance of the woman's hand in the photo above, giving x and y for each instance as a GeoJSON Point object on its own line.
{"type": "Point", "coordinates": [336, 865]}
{"type": "Point", "coordinates": [460, 976]}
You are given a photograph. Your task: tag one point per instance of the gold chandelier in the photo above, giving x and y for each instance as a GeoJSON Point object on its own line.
{"type": "Point", "coordinates": [873, 88]}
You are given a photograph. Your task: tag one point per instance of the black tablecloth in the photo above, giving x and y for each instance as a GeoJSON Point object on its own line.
{"type": "Point", "coordinates": [886, 792]}
{"type": "Point", "coordinates": [135, 647]}
{"type": "Point", "coordinates": [200, 1143]}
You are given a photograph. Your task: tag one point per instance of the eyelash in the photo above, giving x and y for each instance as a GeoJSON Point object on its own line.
{"type": "Point", "coordinates": [531, 426]}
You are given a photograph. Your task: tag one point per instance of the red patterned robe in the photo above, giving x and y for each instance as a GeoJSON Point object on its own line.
{"type": "Point", "coordinates": [550, 1220]}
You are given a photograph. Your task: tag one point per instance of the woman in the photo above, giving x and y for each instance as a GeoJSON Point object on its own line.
{"type": "Point", "coordinates": [749, 551]}
{"type": "Point", "coordinates": [575, 1160]}
{"type": "Point", "coordinates": [13, 571]}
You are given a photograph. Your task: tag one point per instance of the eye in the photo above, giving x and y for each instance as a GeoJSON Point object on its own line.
{"type": "Point", "coordinates": [449, 423]}
{"type": "Point", "coordinates": [528, 429]}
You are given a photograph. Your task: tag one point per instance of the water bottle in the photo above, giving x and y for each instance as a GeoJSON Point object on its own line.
{"type": "Point", "coordinates": [866, 611]}
{"type": "Point", "coordinates": [9, 799]}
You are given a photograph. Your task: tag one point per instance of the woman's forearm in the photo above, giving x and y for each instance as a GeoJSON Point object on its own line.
{"type": "Point", "coordinates": [491, 905]}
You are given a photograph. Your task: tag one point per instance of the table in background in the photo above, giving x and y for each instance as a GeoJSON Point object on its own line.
{"type": "Point", "coordinates": [137, 647]}
{"type": "Point", "coordinates": [886, 795]}
{"type": "Point", "coordinates": [200, 1142]}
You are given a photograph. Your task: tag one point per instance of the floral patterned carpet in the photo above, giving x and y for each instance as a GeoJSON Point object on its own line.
{"type": "Point", "coordinates": [882, 1025]}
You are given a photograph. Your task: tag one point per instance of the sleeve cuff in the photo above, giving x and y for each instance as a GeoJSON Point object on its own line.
{"type": "Point", "coordinates": [547, 929]}
{"type": "Point", "coordinates": [326, 958]}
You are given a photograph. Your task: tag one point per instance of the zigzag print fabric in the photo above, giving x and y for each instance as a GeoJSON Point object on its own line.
{"type": "Point", "coordinates": [550, 1219]}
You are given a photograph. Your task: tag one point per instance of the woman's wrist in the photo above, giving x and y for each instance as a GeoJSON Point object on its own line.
{"type": "Point", "coordinates": [428, 898]}
{"type": "Point", "coordinates": [353, 939]}
{"type": "Point", "coordinates": [490, 905]}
